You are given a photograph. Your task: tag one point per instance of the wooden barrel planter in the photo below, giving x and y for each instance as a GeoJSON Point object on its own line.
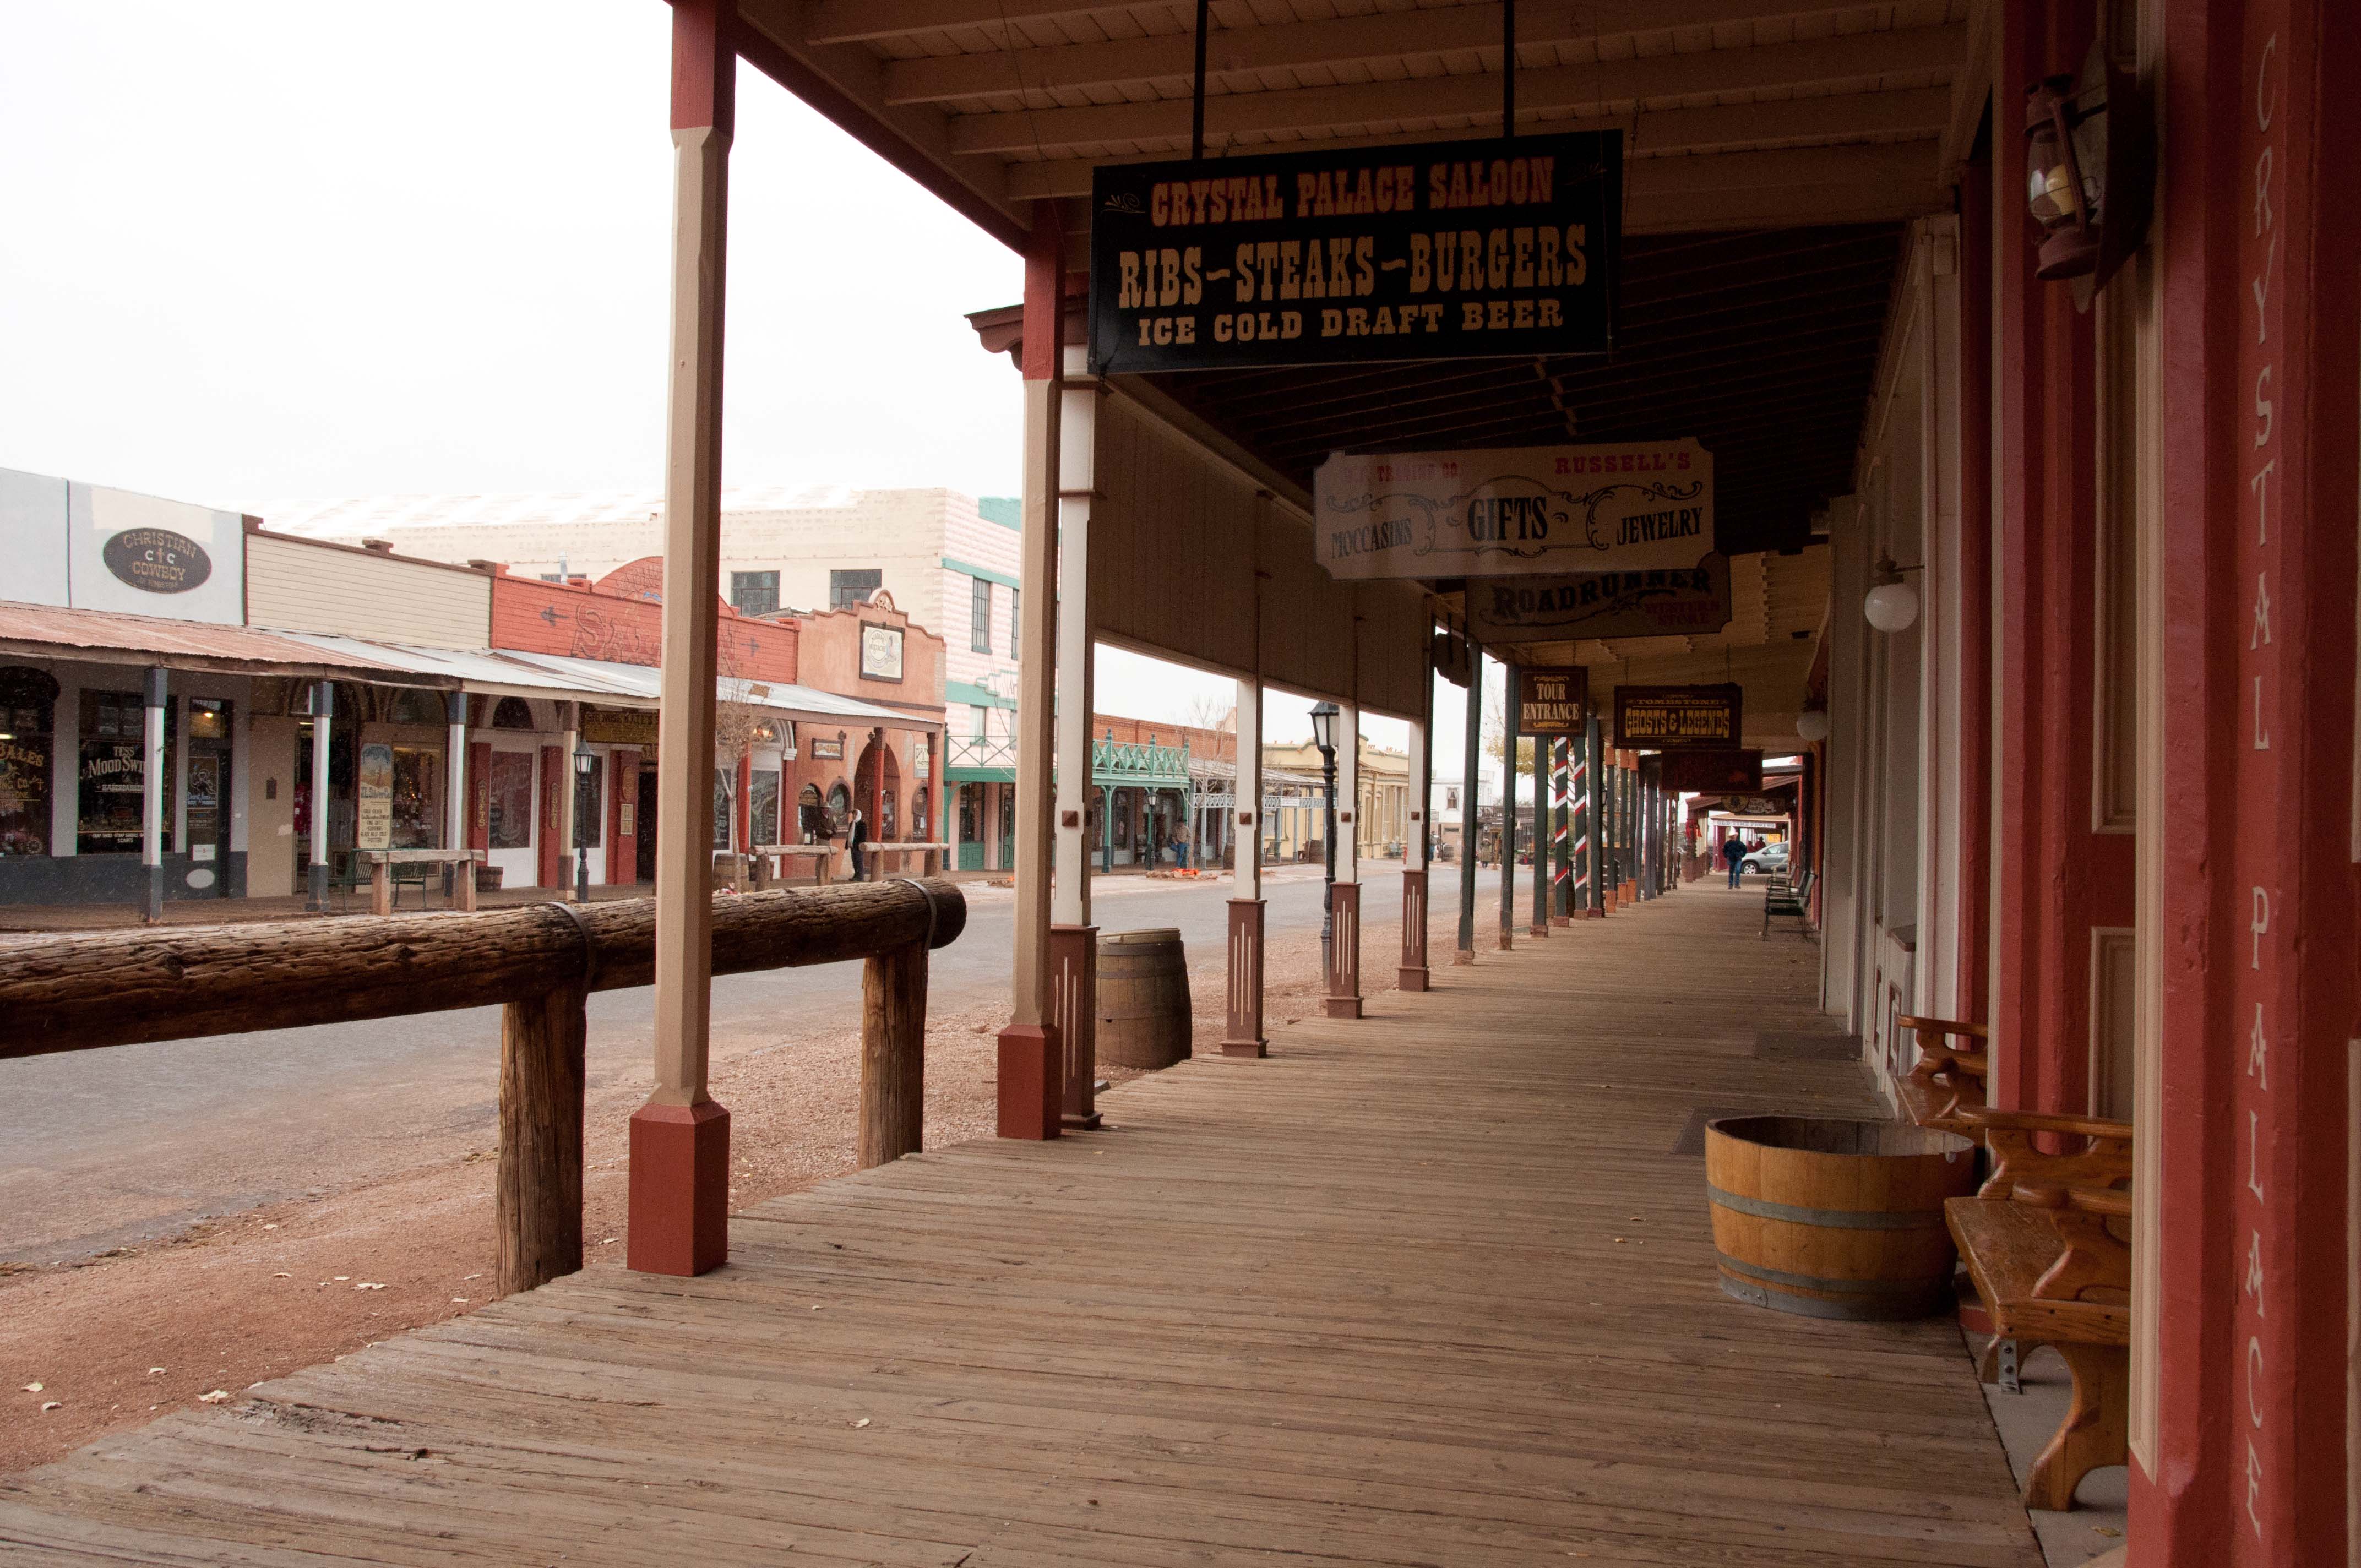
{"type": "Point", "coordinates": [1835, 1218]}
{"type": "Point", "coordinates": [1144, 1018]}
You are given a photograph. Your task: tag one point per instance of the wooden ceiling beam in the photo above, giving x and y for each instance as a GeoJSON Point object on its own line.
{"type": "Point", "coordinates": [1351, 41]}
{"type": "Point", "coordinates": [1598, 88]}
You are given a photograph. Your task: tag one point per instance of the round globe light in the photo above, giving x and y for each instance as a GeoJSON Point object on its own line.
{"type": "Point", "coordinates": [1812, 726]}
{"type": "Point", "coordinates": [1892, 607]}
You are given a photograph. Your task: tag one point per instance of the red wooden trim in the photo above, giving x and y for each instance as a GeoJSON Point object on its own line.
{"type": "Point", "coordinates": [624, 786]}
{"type": "Point", "coordinates": [479, 810]}
{"type": "Point", "coordinates": [552, 853]}
{"type": "Point", "coordinates": [704, 65]}
{"type": "Point", "coordinates": [1045, 287]}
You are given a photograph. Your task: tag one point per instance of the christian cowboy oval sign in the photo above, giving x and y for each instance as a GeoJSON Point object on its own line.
{"type": "Point", "coordinates": [158, 560]}
{"type": "Point", "coordinates": [1494, 511]}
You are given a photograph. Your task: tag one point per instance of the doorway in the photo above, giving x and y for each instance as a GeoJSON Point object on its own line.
{"type": "Point", "coordinates": [645, 846]}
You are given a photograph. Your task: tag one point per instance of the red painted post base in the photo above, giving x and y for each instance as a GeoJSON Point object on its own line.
{"type": "Point", "coordinates": [1561, 919]}
{"type": "Point", "coordinates": [1463, 956]}
{"type": "Point", "coordinates": [1539, 928]}
{"type": "Point", "coordinates": [1508, 938]}
{"type": "Point", "coordinates": [1032, 1081]}
{"type": "Point", "coordinates": [1411, 976]}
{"type": "Point", "coordinates": [1344, 998]}
{"type": "Point", "coordinates": [1074, 1014]}
{"type": "Point", "coordinates": [1241, 1033]}
{"type": "Point", "coordinates": [1591, 914]}
{"type": "Point", "coordinates": [1611, 901]}
{"type": "Point", "coordinates": [679, 1189]}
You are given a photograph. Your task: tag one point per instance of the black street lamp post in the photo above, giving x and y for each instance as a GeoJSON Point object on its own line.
{"type": "Point", "coordinates": [586, 763]}
{"type": "Point", "coordinates": [1323, 735]}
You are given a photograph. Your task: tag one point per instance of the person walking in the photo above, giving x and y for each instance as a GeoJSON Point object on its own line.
{"type": "Point", "coordinates": [852, 826]}
{"type": "Point", "coordinates": [1733, 851]}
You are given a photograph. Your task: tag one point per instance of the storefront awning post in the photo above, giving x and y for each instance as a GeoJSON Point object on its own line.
{"type": "Point", "coordinates": [1032, 1059]}
{"type": "Point", "coordinates": [680, 1138]}
{"type": "Point", "coordinates": [323, 713]}
{"type": "Point", "coordinates": [151, 796]}
{"type": "Point", "coordinates": [1073, 940]}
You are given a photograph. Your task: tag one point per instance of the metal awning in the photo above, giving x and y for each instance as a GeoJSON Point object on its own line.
{"type": "Point", "coordinates": [114, 637]}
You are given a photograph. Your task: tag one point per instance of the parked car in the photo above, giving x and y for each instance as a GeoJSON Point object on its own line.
{"type": "Point", "coordinates": [1769, 858]}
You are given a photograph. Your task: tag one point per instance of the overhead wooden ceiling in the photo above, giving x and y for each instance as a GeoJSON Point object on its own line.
{"type": "Point", "coordinates": [1774, 148]}
{"type": "Point", "coordinates": [1738, 112]}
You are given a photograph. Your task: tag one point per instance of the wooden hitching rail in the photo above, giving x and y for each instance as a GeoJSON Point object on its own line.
{"type": "Point", "coordinates": [537, 963]}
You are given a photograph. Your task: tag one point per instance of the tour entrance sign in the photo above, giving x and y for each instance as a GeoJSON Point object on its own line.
{"type": "Point", "coordinates": [1551, 701]}
{"type": "Point", "coordinates": [1505, 511]}
{"type": "Point", "coordinates": [1446, 250]}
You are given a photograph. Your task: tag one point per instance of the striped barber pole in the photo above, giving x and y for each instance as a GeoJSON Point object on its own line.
{"type": "Point", "coordinates": [1579, 783]}
{"type": "Point", "coordinates": [1561, 795]}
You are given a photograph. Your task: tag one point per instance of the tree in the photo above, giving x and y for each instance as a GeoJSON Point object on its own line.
{"type": "Point", "coordinates": [1206, 711]}
{"type": "Point", "coordinates": [1496, 728]}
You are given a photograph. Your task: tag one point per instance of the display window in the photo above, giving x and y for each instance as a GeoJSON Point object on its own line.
{"type": "Point", "coordinates": [589, 804]}
{"type": "Point", "coordinates": [28, 758]}
{"type": "Point", "coordinates": [111, 781]}
{"type": "Point", "coordinates": [765, 804]}
{"type": "Point", "coordinates": [418, 785]}
{"type": "Point", "coordinates": [509, 800]}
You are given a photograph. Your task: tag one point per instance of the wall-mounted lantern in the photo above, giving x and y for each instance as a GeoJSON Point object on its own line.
{"type": "Point", "coordinates": [2089, 160]}
{"type": "Point", "coordinates": [1892, 604]}
{"type": "Point", "coordinates": [1812, 726]}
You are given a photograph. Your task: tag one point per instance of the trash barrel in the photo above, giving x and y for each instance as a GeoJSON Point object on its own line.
{"type": "Point", "coordinates": [1144, 1014]}
{"type": "Point", "coordinates": [1830, 1218]}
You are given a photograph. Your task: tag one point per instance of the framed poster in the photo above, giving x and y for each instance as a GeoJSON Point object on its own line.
{"type": "Point", "coordinates": [828, 750]}
{"type": "Point", "coordinates": [1443, 250]}
{"type": "Point", "coordinates": [1551, 701]}
{"type": "Point", "coordinates": [1508, 511]}
{"type": "Point", "coordinates": [1679, 601]}
{"type": "Point", "coordinates": [881, 652]}
{"type": "Point", "coordinates": [374, 824]}
{"type": "Point", "coordinates": [1714, 773]}
{"type": "Point", "coordinates": [1670, 719]}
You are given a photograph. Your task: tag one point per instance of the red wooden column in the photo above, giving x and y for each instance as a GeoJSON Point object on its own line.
{"type": "Point", "coordinates": [680, 1138]}
{"type": "Point", "coordinates": [623, 815]}
{"type": "Point", "coordinates": [1344, 998]}
{"type": "Point", "coordinates": [2248, 1169]}
{"type": "Point", "coordinates": [2058, 878]}
{"type": "Point", "coordinates": [1032, 1057]}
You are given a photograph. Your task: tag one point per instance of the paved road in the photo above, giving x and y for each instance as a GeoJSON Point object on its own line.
{"type": "Point", "coordinates": [98, 1149]}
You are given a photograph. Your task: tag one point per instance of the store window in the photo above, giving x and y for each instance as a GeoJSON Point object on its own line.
{"type": "Point", "coordinates": [839, 808]}
{"type": "Point", "coordinates": [412, 706]}
{"type": "Point", "coordinates": [846, 590]}
{"type": "Point", "coordinates": [979, 637]}
{"type": "Point", "coordinates": [764, 803]}
{"type": "Point", "coordinates": [918, 818]}
{"type": "Point", "coordinates": [724, 792]}
{"type": "Point", "coordinates": [755, 593]}
{"type": "Point", "coordinates": [811, 816]}
{"type": "Point", "coordinates": [590, 803]}
{"type": "Point", "coordinates": [27, 756]}
{"type": "Point", "coordinates": [512, 713]}
{"type": "Point", "coordinates": [509, 799]}
{"type": "Point", "coordinates": [113, 766]}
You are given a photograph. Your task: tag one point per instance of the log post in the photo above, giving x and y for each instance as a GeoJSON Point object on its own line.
{"type": "Point", "coordinates": [893, 1054]}
{"type": "Point", "coordinates": [540, 1184]}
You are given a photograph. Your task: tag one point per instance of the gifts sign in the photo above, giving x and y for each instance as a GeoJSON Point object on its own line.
{"type": "Point", "coordinates": [1494, 512]}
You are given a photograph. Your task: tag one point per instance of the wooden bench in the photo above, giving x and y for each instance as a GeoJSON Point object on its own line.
{"type": "Point", "coordinates": [1949, 1077]}
{"type": "Point", "coordinates": [1778, 898]}
{"type": "Point", "coordinates": [821, 855]}
{"type": "Point", "coordinates": [2053, 1265]}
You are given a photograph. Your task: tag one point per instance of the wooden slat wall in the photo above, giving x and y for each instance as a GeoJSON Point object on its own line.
{"type": "Point", "coordinates": [1173, 553]}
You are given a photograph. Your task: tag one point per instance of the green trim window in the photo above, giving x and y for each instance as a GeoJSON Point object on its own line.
{"type": "Point", "coordinates": [979, 638]}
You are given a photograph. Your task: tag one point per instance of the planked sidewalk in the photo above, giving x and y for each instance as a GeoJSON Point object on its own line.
{"type": "Point", "coordinates": [1426, 1289]}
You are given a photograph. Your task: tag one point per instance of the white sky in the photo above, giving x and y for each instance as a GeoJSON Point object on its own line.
{"type": "Point", "coordinates": [278, 249]}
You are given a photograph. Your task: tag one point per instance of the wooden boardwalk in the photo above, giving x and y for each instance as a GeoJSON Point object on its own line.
{"type": "Point", "coordinates": [1426, 1289]}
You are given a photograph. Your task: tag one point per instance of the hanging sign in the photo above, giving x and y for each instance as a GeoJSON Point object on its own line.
{"type": "Point", "coordinates": [1551, 701]}
{"type": "Point", "coordinates": [1677, 601]}
{"type": "Point", "coordinates": [1444, 250]}
{"type": "Point", "coordinates": [1501, 510]}
{"type": "Point", "coordinates": [1454, 659]}
{"type": "Point", "coordinates": [1678, 717]}
{"type": "Point", "coordinates": [374, 821]}
{"type": "Point", "coordinates": [1714, 773]}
